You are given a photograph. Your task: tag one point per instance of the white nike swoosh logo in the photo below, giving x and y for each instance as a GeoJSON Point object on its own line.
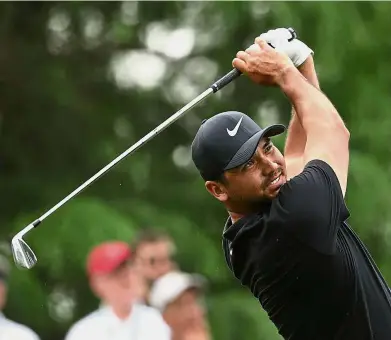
{"type": "Point", "coordinates": [235, 129]}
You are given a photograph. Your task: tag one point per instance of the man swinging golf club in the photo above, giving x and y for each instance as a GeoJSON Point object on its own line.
{"type": "Point", "coordinates": [286, 238]}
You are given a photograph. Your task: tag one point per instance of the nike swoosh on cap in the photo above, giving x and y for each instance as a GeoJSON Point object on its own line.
{"type": "Point", "coordinates": [235, 129]}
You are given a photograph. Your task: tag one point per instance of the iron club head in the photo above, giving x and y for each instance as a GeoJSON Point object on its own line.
{"type": "Point", "coordinates": [23, 255]}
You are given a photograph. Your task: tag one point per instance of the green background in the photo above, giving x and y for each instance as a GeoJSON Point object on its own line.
{"type": "Point", "coordinates": [63, 116]}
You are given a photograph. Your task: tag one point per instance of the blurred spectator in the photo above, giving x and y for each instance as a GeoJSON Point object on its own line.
{"type": "Point", "coordinates": [154, 251]}
{"type": "Point", "coordinates": [10, 330]}
{"type": "Point", "coordinates": [114, 279]}
{"type": "Point", "coordinates": [179, 297]}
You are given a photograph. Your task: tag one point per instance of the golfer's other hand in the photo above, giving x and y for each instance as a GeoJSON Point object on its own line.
{"type": "Point", "coordinates": [296, 50]}
{"type": "Point", "coordinates": [263, 64]}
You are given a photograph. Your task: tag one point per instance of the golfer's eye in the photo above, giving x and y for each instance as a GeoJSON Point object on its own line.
{"type": "Point", "coordinates": [249, 164]}
{"type": "Point", "coordinates": [268, 147]}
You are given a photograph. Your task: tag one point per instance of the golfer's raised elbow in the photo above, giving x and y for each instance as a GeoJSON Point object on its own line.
{"type": "Point", "coordinates": [333, 128]}
{"type": "Point", "coordinates": [335, 118]}
{"type": "Point", "coordinates": [345, 131]}
{"type": "Point", "coordinates": [322, 117]}
{"type": "Point", "coordinates": [337, 126]}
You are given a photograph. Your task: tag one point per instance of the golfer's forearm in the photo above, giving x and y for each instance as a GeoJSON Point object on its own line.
{"type": "Point", "coordinates": [296, 137]}
{"type": "Point", "coordinates": [316, 113]}
{"type": "Point", "coordinates": [327, 135]}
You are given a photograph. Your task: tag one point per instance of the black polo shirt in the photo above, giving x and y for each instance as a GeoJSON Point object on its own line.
{"type": "Point", "coordinates": [306, 266]}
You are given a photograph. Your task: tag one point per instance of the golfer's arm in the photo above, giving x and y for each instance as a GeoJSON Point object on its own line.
{"type": "Point", "coordinates": [296, 136]}
{"type": "Point", "coordinates": [327, 135]}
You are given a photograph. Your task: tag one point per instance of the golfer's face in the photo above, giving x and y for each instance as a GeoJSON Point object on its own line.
{"type": "Point", "coordinates": [260, 178]}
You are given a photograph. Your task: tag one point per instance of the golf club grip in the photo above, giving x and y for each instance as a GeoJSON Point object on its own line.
{"type": "Point", "coordinates": [36, 223]}
{"type": "Point", "coordinates": [235, 73]}
{"type": "Point", "coordinates": [225, 80]}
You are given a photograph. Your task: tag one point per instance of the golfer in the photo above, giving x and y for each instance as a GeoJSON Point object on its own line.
{"type": "Point", "coordinates": [287, 238]}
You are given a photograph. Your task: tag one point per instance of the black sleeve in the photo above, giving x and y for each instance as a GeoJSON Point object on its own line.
{"type": "Point", "coordinates": [311, 205]}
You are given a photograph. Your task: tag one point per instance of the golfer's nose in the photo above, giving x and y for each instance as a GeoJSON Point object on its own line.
{"type": "Point", "coordinates": [269, 167]}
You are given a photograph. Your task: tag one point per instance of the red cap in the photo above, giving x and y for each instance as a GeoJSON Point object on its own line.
{"type": "Point", "coordinates": [106, 257]}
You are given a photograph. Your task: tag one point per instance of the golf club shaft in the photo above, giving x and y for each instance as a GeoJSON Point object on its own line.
{"type": "Point", "coordinates": [218, 85]}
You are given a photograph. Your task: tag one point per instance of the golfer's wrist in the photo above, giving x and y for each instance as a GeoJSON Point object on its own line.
{"type": "Point", "coordinates": [294, 85]}
{"type": "Point", "coordinates": [287, 77]}
{"type": "Point", "coordinates": [307, 69]}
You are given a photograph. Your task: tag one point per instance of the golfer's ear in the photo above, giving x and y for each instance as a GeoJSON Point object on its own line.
{"type": "Point", "coordinates": [217, 189]}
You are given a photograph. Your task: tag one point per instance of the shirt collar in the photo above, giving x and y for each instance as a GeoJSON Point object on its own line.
{"type": "Point", "coordinates": [108, 310]}
{"type": "Point", "coordinates": [232, 229]}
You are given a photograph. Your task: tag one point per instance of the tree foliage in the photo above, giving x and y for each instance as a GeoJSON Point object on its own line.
{"type": "Point", "coordinates": [67, 109]}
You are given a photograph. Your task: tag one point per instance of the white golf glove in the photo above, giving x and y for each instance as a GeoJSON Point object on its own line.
{"type": "Point", "coordinates": [296, 50]}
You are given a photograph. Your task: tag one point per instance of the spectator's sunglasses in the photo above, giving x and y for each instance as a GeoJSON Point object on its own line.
{"type": "Point", "coordinates": [156, 260]}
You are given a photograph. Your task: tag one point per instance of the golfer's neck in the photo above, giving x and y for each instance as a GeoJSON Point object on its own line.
{"type": "Point", "coordinates": [235, 216]}
{"type": "Point", "coordinates": [248, 210]}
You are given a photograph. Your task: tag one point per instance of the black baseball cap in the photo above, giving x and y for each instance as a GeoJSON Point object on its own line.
{"type": "Point", "coordinates": [226, 141]}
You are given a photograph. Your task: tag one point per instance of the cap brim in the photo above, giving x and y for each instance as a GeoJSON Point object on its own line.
{"type": "Point", "coordinates": [247, 150]}
{"type": "Point", "coordinates": [162, 295]}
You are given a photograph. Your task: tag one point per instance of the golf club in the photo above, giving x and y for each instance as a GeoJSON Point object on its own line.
{"type": "Point", "coordinates": [23, 255]}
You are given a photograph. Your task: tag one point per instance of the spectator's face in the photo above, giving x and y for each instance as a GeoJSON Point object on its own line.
{"type": "Point", "coordinates": [186, 312]}
{"type": "Point", "coordinates": [119, 288]}
{"type": "Point", "coordinates": [155, 258]}
{"type": "Point", "coordinates": [3, 294]}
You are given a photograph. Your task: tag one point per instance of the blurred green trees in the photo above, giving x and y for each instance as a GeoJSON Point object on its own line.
{"type": "Point", "coordinates": [82, 81]}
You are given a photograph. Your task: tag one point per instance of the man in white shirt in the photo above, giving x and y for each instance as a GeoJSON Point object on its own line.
{"type": "Point", "coordinates": [10, 330]}
{"type": "Point", "coordinates": [179, 297]}
{"type": "Point", "coordinates": [114, 280]}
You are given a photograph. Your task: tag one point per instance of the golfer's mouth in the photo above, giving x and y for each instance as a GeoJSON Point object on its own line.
{"type": "Point", "coordinates": [276, 182]}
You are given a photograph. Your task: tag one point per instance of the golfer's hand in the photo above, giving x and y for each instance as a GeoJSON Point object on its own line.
{"type": "Point", "coordinates": [262, 63]}
{"type": "Point", "coordinates": [297, 51]}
